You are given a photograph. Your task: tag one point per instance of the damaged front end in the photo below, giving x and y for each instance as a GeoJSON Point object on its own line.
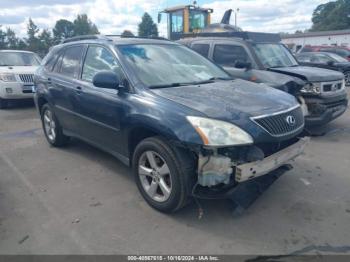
{"type": "Point", "coordinates": [220, 167]}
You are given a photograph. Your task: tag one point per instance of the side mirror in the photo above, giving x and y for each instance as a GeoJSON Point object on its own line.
{"type": "Point", "coordinates": [159, 17]}
{"type": "Point", "coordinates": [330, 63]}
{"type": "Point", "coordinates": [106, 79]}
{"type": "Point", "coordinates": [242, 64]}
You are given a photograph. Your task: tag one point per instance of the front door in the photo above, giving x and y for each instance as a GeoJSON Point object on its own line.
{"type": "Point", "coordinates": [101, 109]}
{"type": "Point", "coordinates": [226, 55]}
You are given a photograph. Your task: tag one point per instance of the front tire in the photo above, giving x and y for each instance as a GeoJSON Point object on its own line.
{"type": "Point", "coordinates": [164, 174]}
{"type": "Point", "coordinates": [52, 128]}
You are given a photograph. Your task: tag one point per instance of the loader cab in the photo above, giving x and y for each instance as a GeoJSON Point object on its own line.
{"type": "Point", "coordinates": [188, 19]}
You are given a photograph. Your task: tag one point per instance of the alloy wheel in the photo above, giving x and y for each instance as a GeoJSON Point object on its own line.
{"type": "Point", "coordinates": [155, 176]}
{"type": "Point", "coordinates": [50, 125]}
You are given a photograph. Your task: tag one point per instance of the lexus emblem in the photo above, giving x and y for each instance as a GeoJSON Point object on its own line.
{"type": "Point", "coordinates": [290, 120]}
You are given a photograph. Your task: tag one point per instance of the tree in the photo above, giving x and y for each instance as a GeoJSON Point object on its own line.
{"type": "Point", "coordinates": [127, 33]}
{"type": "Point", "coordinates": [331, 16]}
{"type": "Point", "coordinates": [83, 26]}
{"type": "Point", "coordinates": [63, 29]}
{"type": "Point", "coordinates": [11, 39]}
{"type": "Point", "coordinates": [2, 39]}
{"type": "Point", "coordinates": [147, 27]}
{"type": "Point", "coordinates": [46, 41]}
{"type": "Point", "coordinates": [32, 40]}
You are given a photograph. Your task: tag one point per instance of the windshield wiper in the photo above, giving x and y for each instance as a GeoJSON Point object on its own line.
{"type": "Point", "coordinates": [169, 85]}
{"type": "Point", "coordinates": [208, 81]}
{"type": "Point", "coordinates": [220, 78]}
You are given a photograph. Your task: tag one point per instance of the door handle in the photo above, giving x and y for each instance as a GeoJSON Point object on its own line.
{"type": "Point", "coordinates": [79, 89]}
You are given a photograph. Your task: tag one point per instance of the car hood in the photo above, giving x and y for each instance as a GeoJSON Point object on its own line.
{"type": "Point", "coordinates": [18, 69]}
{"type": "Point", "coordinates": [312, 74]}
{"type": "Point", "coordinates": [342, 64]}
{"type": "Point", "coordinates": [229, 100]}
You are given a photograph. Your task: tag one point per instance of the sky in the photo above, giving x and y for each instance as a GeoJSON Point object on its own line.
{"type": "Point", "coordinates": [113, 16]}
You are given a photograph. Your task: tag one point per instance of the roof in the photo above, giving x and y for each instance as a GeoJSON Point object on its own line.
{"type": "Point", "coordinates": [257, 37]}
{"type": "Point", "coordinates": [181, 7]}
{"type": "Point", "coordinates": [16, 51]}
{"type": "Point", "coordinates": [116, 39]}
{"type": "Point", "coordinates": [319, 33]}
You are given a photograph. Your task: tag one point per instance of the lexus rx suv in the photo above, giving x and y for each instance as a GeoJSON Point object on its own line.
{"type": "Point", "coordinates": [180, 121]}
{"type": "Point", "coordinates": [16, 75]}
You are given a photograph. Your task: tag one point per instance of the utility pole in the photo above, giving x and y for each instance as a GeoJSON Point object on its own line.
{"type": "Point", "coordinates": [236, 14]}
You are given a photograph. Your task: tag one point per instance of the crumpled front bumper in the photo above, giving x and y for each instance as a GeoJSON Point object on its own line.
{"type": "Point", "coordinates": [259, 168]}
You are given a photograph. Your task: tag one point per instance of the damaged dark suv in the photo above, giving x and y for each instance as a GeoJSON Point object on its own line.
{"type": "Point", "coordinates": [179, 120]}
{"type": "Point", "coordinates": [261, 58]}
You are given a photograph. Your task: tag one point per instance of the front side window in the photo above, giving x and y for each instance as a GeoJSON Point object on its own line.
{"type": "Point", "coordinates": [274, 55]}
{"type": "Point", "coordinates": [202, 49]}
{"type": "Point", "coordinates": [18, 59]}
{"type": "Point", "coordinates": [304, 58]}
{"type": "Point", "coordinates": [99, 59]}
{"type": "Point", "coordinates": [70, 65]}
{"type": "Point", "coordinates": [320, 58]}
{"type": "Point", "coordinates": [177, 22]}
{"type": "Point", "coordinates": [228, 55]}
{"type": "Point", "coordinates": [167, 64]}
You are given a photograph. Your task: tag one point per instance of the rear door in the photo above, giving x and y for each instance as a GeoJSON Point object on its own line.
{"type": "Point", "coordinates": [62, 85]}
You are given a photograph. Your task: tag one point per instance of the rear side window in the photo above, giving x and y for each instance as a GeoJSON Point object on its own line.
{"type": "Point", "coordinates": [57, 65]}
{"type": "Point", "coordinates": [99, 59]}
{"type": "Point", "coordinates": [51, 61]}
{"type": "Point", "coordinates": [70, 65]}
{"type": "Point", "coordinates": [228, 55]}
{"type": "Point", "coordinates": [202, 49]}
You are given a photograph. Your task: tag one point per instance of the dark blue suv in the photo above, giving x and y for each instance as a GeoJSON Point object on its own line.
{"type": "Point", "coordinates": [179, 120]}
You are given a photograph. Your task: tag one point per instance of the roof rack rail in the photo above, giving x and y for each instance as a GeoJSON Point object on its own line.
{"type": "Point", "coordinates": [246, 35]}
{"type": "Point", "coordinates": [84, 37]}
{"type": "Point", "coordinates": [106, 37]}
{"type": "Point", "coordinates": [139, 37]}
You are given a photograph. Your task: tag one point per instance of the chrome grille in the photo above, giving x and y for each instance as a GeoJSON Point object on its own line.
{"type": "Point", "coordinates": [26, 78]}
{"type": "Point", "coordinates": [334, 86]}
{"type": "Point", "coordinates": [282, 123]}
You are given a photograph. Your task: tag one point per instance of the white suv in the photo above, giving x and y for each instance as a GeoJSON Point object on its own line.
{"type": "Point", "coordinates": [16, 75]}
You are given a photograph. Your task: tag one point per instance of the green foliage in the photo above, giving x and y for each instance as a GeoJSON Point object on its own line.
{"type": "Point", "coordinates": [63, 29]}
{"type": "Point", "coordinates": [127, 33]}
{"type": "Point", "coordinates": [46, 41]}
{"type": "Point", "coordinates": [32, 40]}
{"type": "Point", "coordinates": [147, 27]}
{"type": "Point", "coordinates": [83, 26]}
{"type": "Point", "coordinates": [2, 39]}
{"type": "Point", "coordinates": [40, 41]}
{"type": "Point", "coordinates": [331, 16]}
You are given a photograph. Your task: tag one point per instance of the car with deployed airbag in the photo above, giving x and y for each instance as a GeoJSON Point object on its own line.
{"type": "Point", "coordinates": [177, 119]}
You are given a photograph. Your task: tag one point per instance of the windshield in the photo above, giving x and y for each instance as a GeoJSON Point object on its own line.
{"type": "Point", "coordinates": [159, 65]}
{"type": "Point", "coordinates": [274, 55]}
{"type": "Point", "coordinates": [337, 58]}
{"type": "Point", "coordinates": [18, 59]}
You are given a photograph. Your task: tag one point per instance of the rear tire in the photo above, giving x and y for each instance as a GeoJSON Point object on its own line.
{"type": "Point", "coordinates": [52, 128]}
{"type": "Point", "coordinates": [164, 174]}
{"type": "Point", "coordinates": [3, 103]}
